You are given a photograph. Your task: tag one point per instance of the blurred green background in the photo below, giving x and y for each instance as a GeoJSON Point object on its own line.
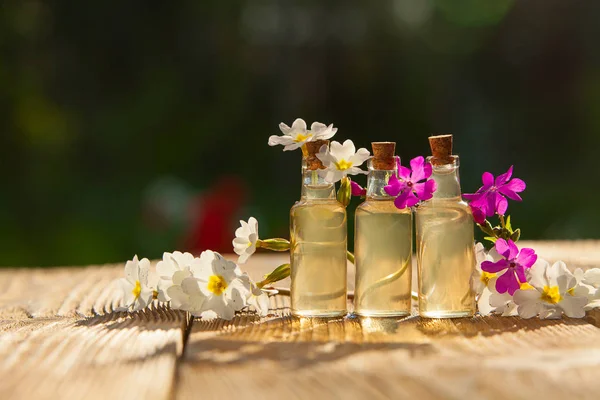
{"type": "Point", "coordinates": [140, 127]}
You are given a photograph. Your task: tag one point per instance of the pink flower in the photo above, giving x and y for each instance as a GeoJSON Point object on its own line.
{"type": "Point", "coordinates": [357, 190]}
{"type": "Point", "coordinates": [410, 187]}
{"type": "Point", "coordinates": [478, 215]}
{"type": "Point", "coordinates": [513, 265]}
{"type": "Point", "coordinates": [489, 199]}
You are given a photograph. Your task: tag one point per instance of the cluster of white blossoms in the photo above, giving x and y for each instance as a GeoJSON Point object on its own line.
{"type": "Point", "coordinates": [206, 286]}
{"type": "Point", "coordinates": [339, 160]}
{"type": "Point", "coordinates": [550, 291]}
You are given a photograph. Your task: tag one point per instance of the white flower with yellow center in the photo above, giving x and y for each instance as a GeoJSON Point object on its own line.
{"type": "Point", "coordinates": [136, 292]}
{"type": "Point", "coordinates": [245, 240]}
{"type": "Point", "coordinates": [296, 136]}
{"type": "Point", "coordinates": [172, 270]}
{"type": "Point", "coordinates": [223, 284]}
{"type": "Point", "coordinates": [341, 160]}
{"type": "Point", "coordinates": [554, 293]}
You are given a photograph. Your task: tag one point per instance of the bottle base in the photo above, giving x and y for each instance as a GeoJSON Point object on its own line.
{"type": "Point", "coordinates": [320, 314]}
{"type": "Point", "coordinates": [446, 314]}
{"type": "Point", "coordinates": [377, 313]}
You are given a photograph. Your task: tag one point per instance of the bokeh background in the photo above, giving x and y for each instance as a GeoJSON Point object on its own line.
{"type": "Point", "coordinates": [138, 127]}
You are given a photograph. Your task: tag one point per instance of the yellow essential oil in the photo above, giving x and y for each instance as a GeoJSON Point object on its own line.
{"type": "Point", "coordinates": [382, 245]}
{"type": "Point", "coordinates": [318, 232]}
{"type": "Point", "coordinates": [445, 252]}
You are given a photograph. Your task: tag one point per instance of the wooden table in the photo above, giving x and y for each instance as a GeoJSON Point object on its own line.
{"type": "Point", "coordinates": [61, 339]}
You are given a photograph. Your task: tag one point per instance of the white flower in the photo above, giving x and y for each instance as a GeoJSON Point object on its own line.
{"type": "Point", "coordinates": [187, 296]}
{"type": "Point", "coordinates": [172, 270]}
{"type": "Point", "coordinates": [245, 240]}
{"type": "Point", "coordinates": [588, 285]}
{"type": "Point", "coordinates": [553, 295]}
{"type": "Point", "coordinates": [222, 282]}
{"type": "Point", "coordinates": [259, 299]}
{"type": "Point", "coordinates": [296, 136]}
{"type": "Point", "coordinates": [136, 292]}
{"type": "Point", "coordinates": [340, 160]}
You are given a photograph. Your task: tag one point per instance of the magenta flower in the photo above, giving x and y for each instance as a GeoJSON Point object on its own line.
{"type": "Point", "coordinates": [410, 187]}
{"type": "Point", "coordinates": [478, 215]}
{"type": "Point", "coordinates": [357, 190]}
{"type": "Point", "coordinates": [513, 265]}
{"type": "Point", "coordinates": [489, 199]}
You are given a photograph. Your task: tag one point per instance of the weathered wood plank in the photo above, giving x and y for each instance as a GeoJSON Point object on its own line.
{"type": "Point", "coordinates": [116, 355]}
{"type": "Point", "coordinates": [49, 349]}
{"type": "Point", "coordinates": [491, 357]}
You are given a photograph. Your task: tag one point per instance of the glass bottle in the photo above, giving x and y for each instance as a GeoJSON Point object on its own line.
{"type": "Point", "coordinates": [383, 244]}
{"type": "Point", "coordinates": [445, 252]}
{"type": "Point", "coordinates": [318, 232]}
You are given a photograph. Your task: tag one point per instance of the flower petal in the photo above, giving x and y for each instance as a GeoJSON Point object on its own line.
{"type": "Point", "coordinates": [299, 125]}
{"type": "Point", "coordinates": [513, 187]}
{"type": "Point", "coordinates": [494, 267]}
{"type": "Point", "coordinates": [346, 151]}
{"type": "Point", "coordinates": [478, 215]}
{"type": "Point", "coordinates": [501, 204]}
{"type": "Point", "coordinates": [394, 186]}
{"type": "Point", "coordinates": [404, 173]}
{"type": "Point", "coordinates": [417, 165]}
{"type": "Point", "coordinates": [360, 157]}
{"type": "Point", "coordinates": [527, 302]}
{"type": "Point", "coordinates": [405, 199]}
{"type": "Point", "coordinates": [503, 248]}
{"type": "Point", "coordinates": [573, 306]}
{"type": "Point", "coordinates": [357, 190]}
{"type": "Point", "coordinates": [503, 178]}
{"type": "Point", "coordinates": [507, 282]}
{"type": "Point", "coordinates": [483, 302]}
{"type": "Point", "coordinates": [520, 272]}
{"type": "Point", "coordinates": [132, 270]}
{"type": "Point", "coordinates": [488, 180]}
{"type": "Point", "coordinates": [526, 257]}
{"type": "Point", "coordinates": [275, 140]}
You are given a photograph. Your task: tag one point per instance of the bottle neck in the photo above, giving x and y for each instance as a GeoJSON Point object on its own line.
{"type": "Point", "coordinates": [447, 180]}
{"type": "Point", "coordinates": [376, 181]}
{"type": "Point", "coordinates": [314, 186]}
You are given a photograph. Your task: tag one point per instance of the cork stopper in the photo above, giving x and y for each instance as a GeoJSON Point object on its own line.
{"type": "Point", "coordinates": [312, 148]}
{"type": "Point", "coordinates": [383, 155]}
{"type": "Point", "coordinates": [441, 149]}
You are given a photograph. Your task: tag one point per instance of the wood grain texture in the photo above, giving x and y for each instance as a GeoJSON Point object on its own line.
{"type": "Point", "coordinates": [60, 337]}
{"type": "Point", "coordinates": [118, 355]}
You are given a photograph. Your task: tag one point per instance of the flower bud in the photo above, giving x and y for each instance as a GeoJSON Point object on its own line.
{"type": "Point", "coordinates": [345, 192]}
{"type": "Point", "coordinates": [277, 244]}
{"type": "Point", "coordinates": [279, 273]}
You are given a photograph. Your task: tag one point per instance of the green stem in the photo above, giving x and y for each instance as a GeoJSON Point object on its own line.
{"type": "Point", "coordinates": [502, 223]}
{"type": "Point", "coordinates": [350, 257]}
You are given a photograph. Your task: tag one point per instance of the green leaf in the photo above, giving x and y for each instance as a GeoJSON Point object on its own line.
{"type": "Point", "coordinates": [516, 235]}
{"type": "Point", "coordinates": [508, 226]}
{"type": "Point", "coordinates": [344, 193]}
{"type": "Point", "coordinates": [487, 228]}
{"type": "Point", "coordinates": [491, 239]}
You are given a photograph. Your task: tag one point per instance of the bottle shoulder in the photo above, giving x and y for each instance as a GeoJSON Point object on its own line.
{"type": "Point", "coordinates": [330, 204]}
{"type": "Point", "coordinates": [438, 204]}
{"type": "Point", "coordinates": [381, 206]}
